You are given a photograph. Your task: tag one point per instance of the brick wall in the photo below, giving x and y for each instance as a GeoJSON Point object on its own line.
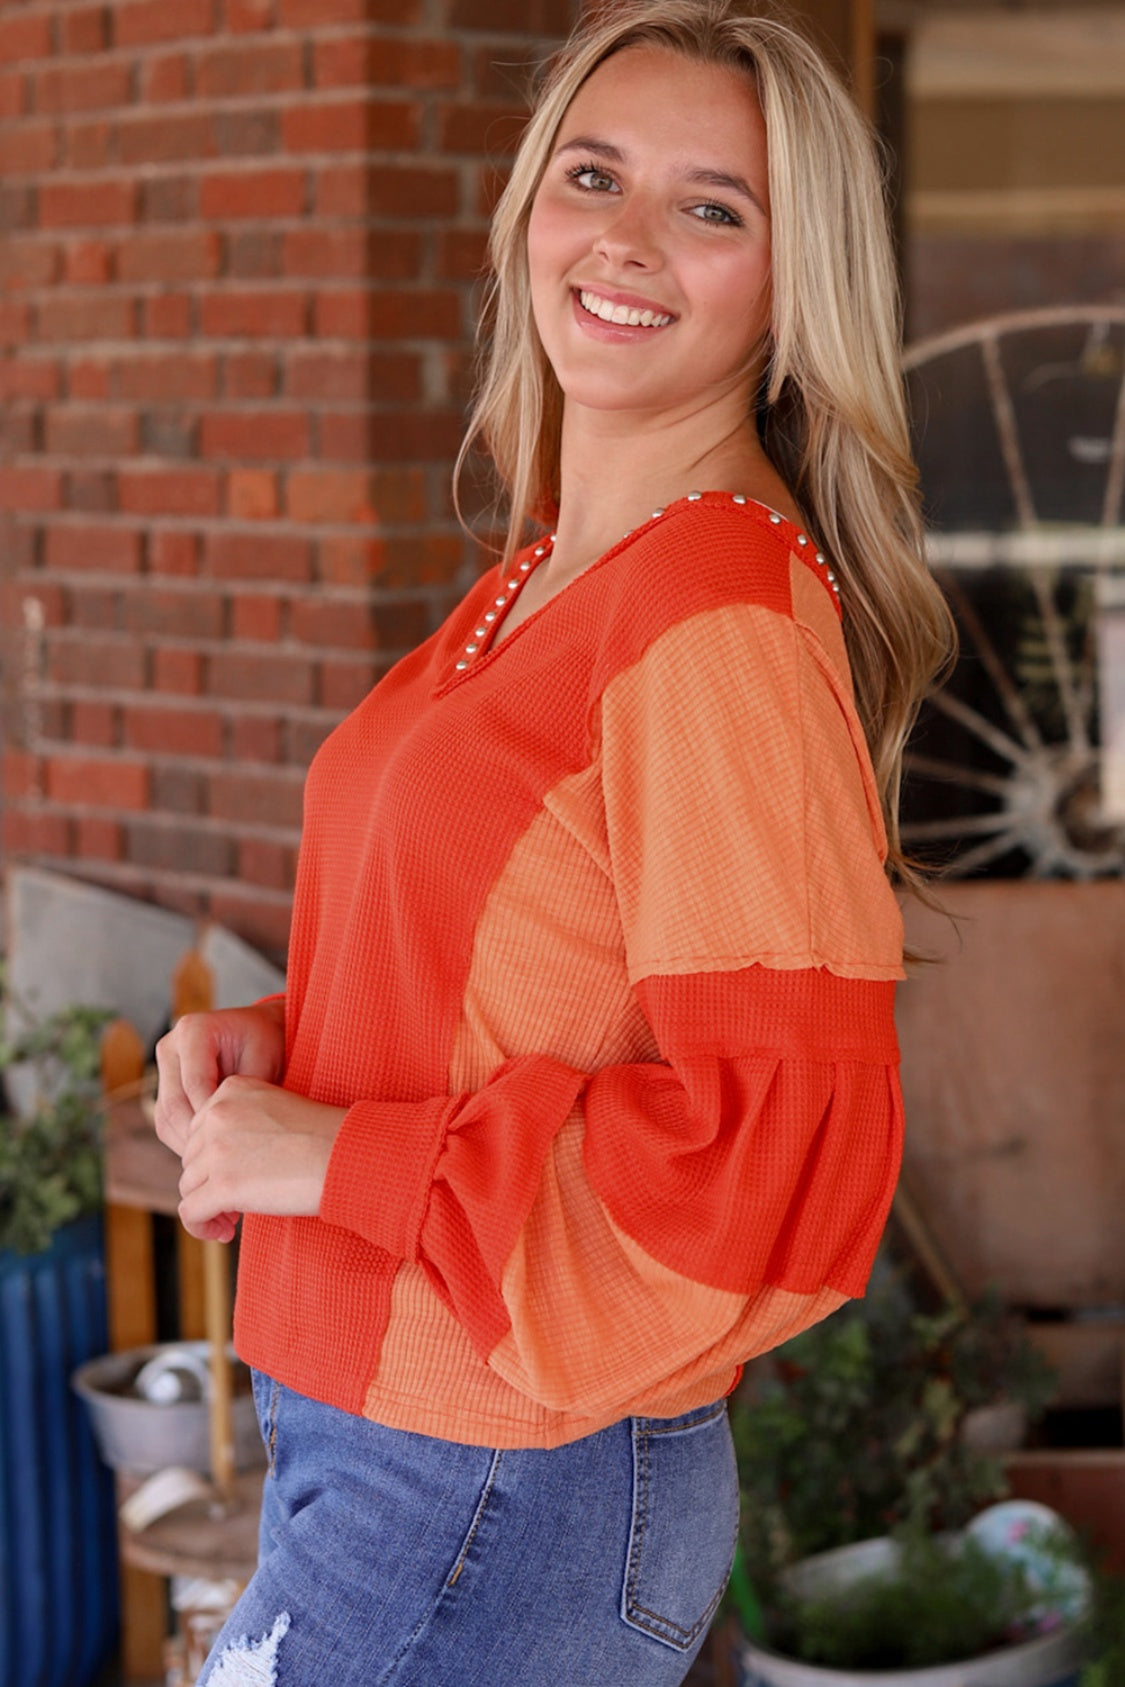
{"type": "Point", "coordinates": [239, 248]}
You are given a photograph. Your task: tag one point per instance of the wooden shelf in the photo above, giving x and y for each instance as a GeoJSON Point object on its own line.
{"type": "Point", "coordinates": [193, 1541]}
{"type": "Point", "coordinates": [139, 1170]}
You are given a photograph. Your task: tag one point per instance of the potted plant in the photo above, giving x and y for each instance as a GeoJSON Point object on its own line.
{"type": "Point", "coordinates": [58, 1599]}
{"type": "Point", "coordinates": [862, 1471]}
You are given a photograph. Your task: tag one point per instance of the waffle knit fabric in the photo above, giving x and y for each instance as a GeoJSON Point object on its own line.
{"type": "Point", "coordinates": [593, 940]}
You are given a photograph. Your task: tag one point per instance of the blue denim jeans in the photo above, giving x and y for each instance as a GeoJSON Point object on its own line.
{"type": "Point", "coordinates": [396, 1560]}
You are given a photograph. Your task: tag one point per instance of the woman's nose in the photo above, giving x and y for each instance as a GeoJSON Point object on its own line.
{"type": "Point", "coordinates": [631, 236]}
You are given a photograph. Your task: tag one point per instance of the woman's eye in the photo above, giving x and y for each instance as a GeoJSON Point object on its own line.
{"type": "Point", "coordinates": [588, 176]}
{"type": "Point", "coordinates": [711, 213]}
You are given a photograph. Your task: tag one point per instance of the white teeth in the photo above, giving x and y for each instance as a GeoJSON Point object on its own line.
{"type": "Point", "coordinates": [622, 315]}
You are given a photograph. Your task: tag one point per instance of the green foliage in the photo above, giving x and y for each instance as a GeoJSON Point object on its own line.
{"type": "Point", "coordinates": [943, 1603]}
{"type": "Point", "coordinates": [1106, 1633]}
{"type": "Point", "coordinates": [859, 1431]}
{"type": "Point", "coordinates": [50, 1161]}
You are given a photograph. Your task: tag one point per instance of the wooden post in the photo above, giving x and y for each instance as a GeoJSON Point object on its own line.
{"type": "Point", "coordinates": [846, 29]}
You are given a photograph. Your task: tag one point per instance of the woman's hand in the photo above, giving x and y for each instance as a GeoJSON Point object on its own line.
{"type": "Point", "coordinates": [204, 1048]}
{"type": "Point", "coordinates": [254, 1147]}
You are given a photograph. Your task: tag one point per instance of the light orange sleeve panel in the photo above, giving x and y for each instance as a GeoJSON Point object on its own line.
{"type": "Point", "coordinates": [742, 821]}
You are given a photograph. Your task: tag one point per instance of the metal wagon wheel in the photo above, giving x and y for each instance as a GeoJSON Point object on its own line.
{"type": "Point", "coordinates": [1020, 436]}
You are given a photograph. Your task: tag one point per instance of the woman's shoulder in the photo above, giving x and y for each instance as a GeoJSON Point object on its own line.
{"type": "Point", "coordinates": [711, 552]}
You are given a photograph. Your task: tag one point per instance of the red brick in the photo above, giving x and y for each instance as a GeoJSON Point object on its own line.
{"type": "Point", "coordinates": [163, 612]}
{"type": "Point", "coordinates": [254, 68]}
{"type": "Point", "coordinates": [83, 87]}
{"type": "Point", "coordinates": [244, 133]}
{"type": "Point", "coordinates": [35, 833]}
{"type": "Point", "coordinates": [94, 490]}
{"type": "Point", "coordinates": [242, 17]}
{"type": "Point", "coordinates": [25, 377]}
{"type": "Point", "coordinates": [255, 435]}
{"type": "Point", "coordinates": [255, 738]}
{"type": "Point", "coordinates": [87, 263]}
{"type": "Point", "coordinates": [145, 21]}
{"type": "Point", "coordinates": [397, 564]}
{"type": "Point", "coordinates": [179, 672]}
{"type": "Point", "coordinates": [27, 148]}
{"type": "Point", "coordinates": [314, 14]}
{"type": "Point", "coordinates": [394, 62]}
{"type": "Point", "coordinates": [89, 145]}
{"type": "Point", "coordinates": [91, 433]}
{"type": "Point", "coordinates": [82, 29]}
{"type": "Point", "coordinates": [330, 495]}
{"type": "Point", "coordinates": [263, 924]}
{"type": "Point", "coordinates": [26, 37]}
{"type": "Point", "coordinates": [186, 491]}
{"type": "Point", "coordinates": [344, 682]}
{"type": "Point", "coordinates": [351, 125]}
{"type": "Point", "coordinates": [165, 78]}
{"type": "Point", "coordinates": [88, 378]}
{"type": "Point", "coordinates": [525, 17]}
{"type": "Point", "coordinates": [254, 253]}
{"type": "Point", "coordinates": [254, 313]}
{"type": "Point", "coordinates": [343, 624]}
{"type": "Point", "coordinates": [250, 677]}
{"type": "Point", "coordinates": [174, 731]}
{"type": "Point", "coordinates": [92, 609]}
{"type": "Point", "coordinates": [31, 488]}
{"type": "Point", "coordinates": [342, 190]}
{"type": "Point", "coordinates": [270, 865]}
{"type": "Point", "coordinates": [257, 618]}
{"type": "Point", "coordinates": [98, 839]}
{"type": "Point", "coordinates": [325, 374]}
{"type": "Point", "coordinates": [14, 319]}
{"type": "Point", "coordinates": [13, 89]}
{"type": "Point", "coordinates": [257, 799]}
{"type": "Point", "coordinates": [201, 851]}
{"type": "Point", "coordinates": [422, 314]}
{"type": "Point", "coordinates": [169, 199]}
{"type": "Point", "coordinates": [168, 316]}
{"type": "Point", "coordinates": [172, 551]}
{"type": "Point", "coordinates": [85, 204]}
{"type": "Point", "coordinates": [336, 252]}
{"type": "Point", "coordinates": [21, 775]}
{"type": "Point", "coordinates": [180, 255]}
{"type": "Point", "coordinates": [93, 724]}
{"type": "Point", "coordinates": [84, 316]}
{"type": "Point", "coordinates": [97, 782]}
{"type": "Point", "coordinates": [253, 556]}
{"type": "Point", "coordinates": [250, 374]}
{"type": "Point", "coordinates": [350, 560]}
{"type": "Point", "coordinates": [345, 437]}
{"type": "Point", "coordinates": [462, 254]}
{"type": "Point", "coordinates": [253, 193]}
{"type": "Point", "coordinates": [26, 264]}
{"type": "Point", "coordinates": [115, 550]}
{"type": "Point", "coordinates": [491, 130]}
{"type": "Point", "coordinates": [167, 376]}
{"type": "Point", "coordinates": [252, 495]}
{"type": "Point", "coordinates": [170, 139]}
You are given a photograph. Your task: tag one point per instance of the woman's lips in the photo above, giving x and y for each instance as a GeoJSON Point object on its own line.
{"type": "Point", "coordinates": [625, 319]}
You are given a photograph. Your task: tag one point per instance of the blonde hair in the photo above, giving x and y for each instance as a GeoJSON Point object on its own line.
{"type": "Point", "coordinates": [831, 412]}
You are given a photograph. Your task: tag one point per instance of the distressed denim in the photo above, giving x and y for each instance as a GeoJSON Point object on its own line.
{"type": "Point", "coordinates": [396, 1560]}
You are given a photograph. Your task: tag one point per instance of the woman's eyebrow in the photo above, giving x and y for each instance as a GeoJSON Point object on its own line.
{"type": "Point", "coordinates": [700, 177]}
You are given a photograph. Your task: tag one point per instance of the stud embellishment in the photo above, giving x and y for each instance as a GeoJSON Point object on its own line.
{"type": "Point", "coordinates": [461, 665]}
{"type": "Point", "coordinates": [694, 497]}
{"type": "Point", "coordinates": [738, 498]}
{"type": "Point", "coordinates": [656, 514]}
{"type": "Point", "coordinates": [775, 518]}
{"type": "Point", "coordinates": [801, 540]}
{"type": "Point", "coordinates": [821, 558]}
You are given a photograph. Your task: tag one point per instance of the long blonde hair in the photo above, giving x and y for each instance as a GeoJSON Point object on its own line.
{"type": "Point", "coordinates": [830, 412]}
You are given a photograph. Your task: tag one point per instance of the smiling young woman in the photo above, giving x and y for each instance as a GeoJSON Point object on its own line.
{"type": "Point", "coordinates": [584, 1086]}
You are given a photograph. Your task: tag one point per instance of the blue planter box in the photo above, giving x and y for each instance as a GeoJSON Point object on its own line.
{"type": "Point", "coordinates": [58, 1544]}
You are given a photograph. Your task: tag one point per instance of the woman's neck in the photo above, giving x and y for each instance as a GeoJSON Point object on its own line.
{"type": "Point", "coordinates": [612, 478]}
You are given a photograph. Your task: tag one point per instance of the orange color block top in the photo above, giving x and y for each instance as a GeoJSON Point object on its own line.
{"type": "Point", "coordinates": [593, 940]}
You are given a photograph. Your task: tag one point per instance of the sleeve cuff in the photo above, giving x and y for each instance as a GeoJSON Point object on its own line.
{"type": "Point", "coordinates": [381, 1169]}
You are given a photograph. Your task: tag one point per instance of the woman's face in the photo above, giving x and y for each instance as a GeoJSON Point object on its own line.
{"type": "Point", "coordinates": [649, 238]}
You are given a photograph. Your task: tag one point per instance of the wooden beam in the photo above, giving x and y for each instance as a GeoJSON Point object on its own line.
{"type": "Point", "coordinates": [846, 30]}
